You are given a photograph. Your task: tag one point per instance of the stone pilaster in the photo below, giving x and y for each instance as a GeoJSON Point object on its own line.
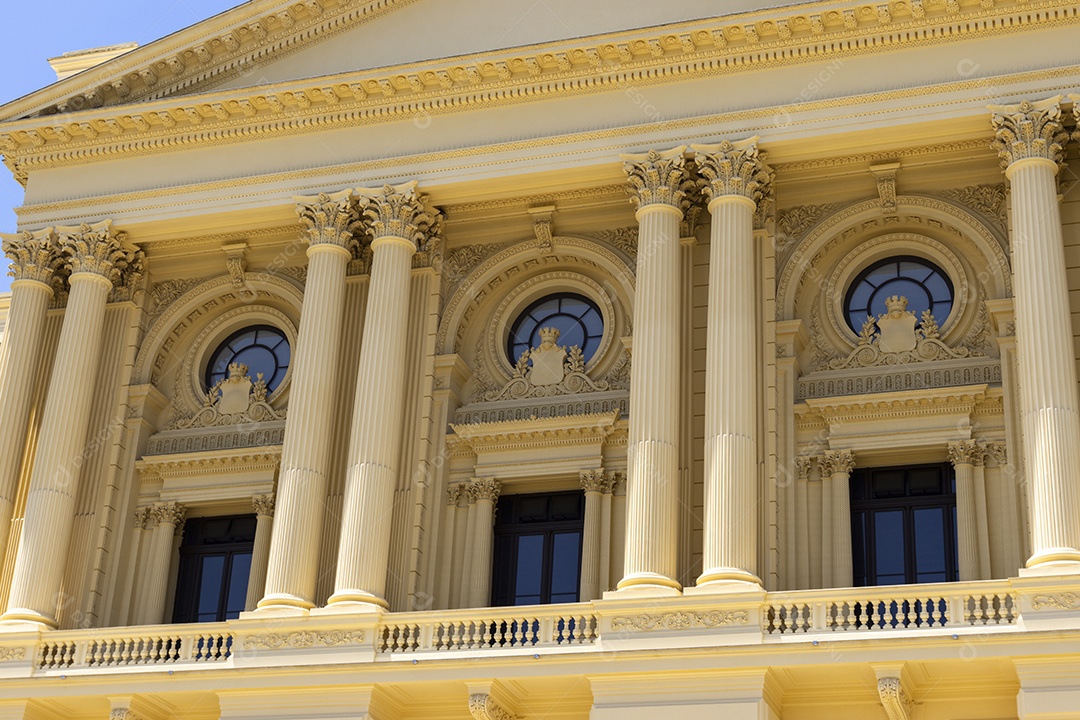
{"type": "Point", "coordinates": [659, 184]}
{"type": "Point", "coordinates": [399, 220]}
{"type": "Point", "coordinates": [836, 467]}
{"type": "Point", "coordinates": [35, 258]}
{"type": "Point", "coordinates": [802, 524]}
{"type": "Point", "coordinates": [483, 494]}
{"type": "Point", "coordinates": [97, 256]}
{"type": "Point", "coordinates": [1030, 141]}
{"type": "Point", "coordinates": [738, 179]}
{"type": "Point", "coordinates": [327, 222]}
{"type": "Point", "coordinates": [449, 550]}
{"type": "Point", "coordinates": [260, 552]}
{"type": "Point", "coordinates": [167, 519]}
{"type": "Point", "coordinates": [592, 484]}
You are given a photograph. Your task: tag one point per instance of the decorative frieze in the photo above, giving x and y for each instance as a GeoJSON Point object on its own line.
{"type": "Point", "coordinates": [304, 639]}
{"type": "Point", "coordinates": [680, 620]}
{"type": "Point", "coordinates": [658, 178]}
{"type": "Point", "coordinates": [1058, 601]}
{"type": "Point", "coordinates": [887, 378]}
{"type": "Point", "coordinates": [1029, 130]}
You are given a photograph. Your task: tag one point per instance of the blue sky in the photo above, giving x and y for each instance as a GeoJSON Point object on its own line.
{"type": "Point", "coordinates": [69, 25]}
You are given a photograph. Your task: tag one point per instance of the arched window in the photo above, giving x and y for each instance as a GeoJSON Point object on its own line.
{"type": "Point", "coordinates": [924, 284]}
{"type": "Point", "coordinates": [576, 317]}
{"type": "Point", "coordinates": [263, 348]}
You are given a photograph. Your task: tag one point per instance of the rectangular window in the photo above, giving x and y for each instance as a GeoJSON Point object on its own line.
{"type": "Point", "coordinates": [537, 558]}
{"type": "Point", "coordinates": [903, 525]}
{"type": "Point", "coordinates": [215, 564]}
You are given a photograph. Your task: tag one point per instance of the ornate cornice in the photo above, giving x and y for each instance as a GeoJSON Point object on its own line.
{"type": "Point", "coordinates": [699, 48]}
{"type": "Point", "coordinates": [536, 432]}
{"type": "Point", "coordinates": [734, 168]}
{"type": "Point", "coordinates": [212, 463]}
{"type": "Point", "coordinates": [1029, 130]}
{"type": "Point", "coordinates": [34, 256]}
{"type": "Point", "coordinates": [328, 218]}
{"type": "Point", "coordinates": [658, 178]}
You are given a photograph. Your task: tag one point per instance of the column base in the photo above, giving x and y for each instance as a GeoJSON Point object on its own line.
{"type": "Point", "coordinates": [24, 620]}
{"type": "Point", "coordinates": [645, 585]}
{"type": "Point", "coordinates": [725, 580]}
{"type": "Point", "coordinates": [347, 602]}
{"type": "Point", "coordinates": [1054, 561]}
{"type": "Point", "coordinates": [279, 605]}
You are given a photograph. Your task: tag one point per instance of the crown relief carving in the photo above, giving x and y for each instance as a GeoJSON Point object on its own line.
{"type": "Point", "coordinates": [897, 337]}
{"type": "Point", "coordinates": [547, 370]}
{"type": "Point", "coordinates": [234, 400]}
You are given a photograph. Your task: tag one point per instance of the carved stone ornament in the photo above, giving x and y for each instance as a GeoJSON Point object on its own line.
{"type": "Point", "coordinates": [328, 218]}
{"type": "Point", "coordinates": [264, 505]}
{"type": "Point", "coordinates": [399, 211]}
{"type": "Point", "coordinates": [10, 654]}
{"type": "Point", "coordinates": [894, 699]}
{"type": "Point", "coordinates": [542, 227]}
{"type": "Point", "coordinates": [547, 370]}
{"type": "Point", "coordinates": [598, 481]}
{"type": "Point", "coordinates": [34, 256]}
{"type": "Point", "coordinates": [330, 638]}
{"type": "Point", "coordinates": [885, 173]}
{"type": "Point", "coordinates": [624, 239]}
{"type": "Point", "coordinates": [837, 462]}
{"type": "Point", "coordinates": [967, 452]}
{"type": "Point", "coordinates": [122, 713]}
{"type": "Point", "coordinates": [658, 178]}
{"type": "Point", "coordinates": [98, 249]}
{"type": "Point", "coordinates": [169, 513]}
{"type": "Point", "coordinates": [1063, 601]}
{"type": "Point", "coordinates": [483, 707]}
{"type": "Point", "coordinates": [142, 517]}
{"type": "Point", "coordinates": [802, 466]}
{"type": "Point", "coordinates": [894, 339]}
{"type": "Point", "coordinates": [236, 266]}
{"type": "Point", "coordinates": [734, 168]}
{"type": "Point", "coordinates": [1029, 130]}
{"type": "Point", "coordinates": [454, 493]}
{"type": "Point", "coordinates": [987, 200]}
{"type": "Point", "coordinates": [680, 620]}
{"type": "Point", "coordinates": [483, 489]}
{"type": "Point", "coordinates": [235, 400]}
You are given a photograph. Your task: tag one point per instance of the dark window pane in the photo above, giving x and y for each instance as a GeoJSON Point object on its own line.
{"type": "Point", "coordinates": [213, 572]}
{"type": "Point", "coordinates": [239, 572]}
{"type": "Point", "coordinates": [565, 507]}
{"type": "Point", "coordinates": [264, 349]}
{"type": "Point", "coordinates": [533, 509]}
{"type": "Point", "coordinates": [924, 284]}
{"type": "Point", "coordinates": [888, 484]}
{"type": "Point", "coordinates": [530, 568]}
{"type": "Point", "coordinates": [930, 545]}
{"type": "Point", "coordinates": [576, 317]}
{"type": "Point", "coordinates": [565, 565]}
{"type": "Point", "coordinates": [889, 547]}
{"type": "Point", "coordinates": [858, 548]}
{"type": "Point", "coordinates": [925, 481]}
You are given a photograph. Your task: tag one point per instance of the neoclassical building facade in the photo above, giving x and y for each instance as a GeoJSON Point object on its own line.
{"type": "Point", "coordinates": [396, 359]}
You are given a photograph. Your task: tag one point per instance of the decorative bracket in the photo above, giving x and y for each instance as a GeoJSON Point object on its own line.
{"type": "Point", "coordinates": [236, 264]}
{"type": "Point", "coordinates": [893, 690]}
{"type": "Point", "coordinates": [886, 184]}
{"type": "Point", "coordinates": [542, 226]}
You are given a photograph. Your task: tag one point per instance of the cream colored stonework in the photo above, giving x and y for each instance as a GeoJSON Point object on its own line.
{"type": "Point", "coordinates": [391, 184]}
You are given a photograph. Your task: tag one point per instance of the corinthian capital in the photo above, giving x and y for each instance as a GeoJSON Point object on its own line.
{"type": "Point", "coordinates": [169, 513]}
{"type": "Point", "coordinates": [838, 462]}
{"type": "Point", "coordinates": [34, 255]}
{"type": "Point", "coordinates": [484, 489]}
{"type": "Point", "coordinates": [98, 249]}
{"type": "Point", "coordinates": [328, 219]}
{"type": "Point", "coordinates": [399, 211]}
{"type": "Point", "coordinates": [1029, 130]}
{"type": "Point", "coordinates": [967, 452]}
{"type": "Point", "coordinates": [657, 178]}
{"type": "Point", "coordinates": [264, 504]}
{"type": "Point", "coordinates": [734, 168]}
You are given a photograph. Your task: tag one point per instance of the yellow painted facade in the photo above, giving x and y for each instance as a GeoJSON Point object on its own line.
{"type": "Point", "coordinates": [389, 190]}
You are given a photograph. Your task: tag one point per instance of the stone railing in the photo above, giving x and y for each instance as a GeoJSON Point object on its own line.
{"type": "Point", "coordinates": [166, 645]}
{"type": "Point", "coordinates": [490, 630]}
{"type": "Point", "coordinates": [932, 610]}
{"type": "Point", "coordinates": [902, 608]}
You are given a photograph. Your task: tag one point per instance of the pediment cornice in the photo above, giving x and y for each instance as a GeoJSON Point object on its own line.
{"type": "Point", "coordinates": [813, 32]}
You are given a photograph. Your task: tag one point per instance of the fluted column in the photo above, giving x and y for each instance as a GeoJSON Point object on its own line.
{"type": "Point", "coordinates": [97, 256]}
{"type": "Point", "coordinates": [327, 221]}
{"type": "Point", "coordinates": [448, 550]}
{"type": "Point", "coordinates": [168, 520]}
{"type": "Point", "coordinates": [483, 493]}
{"type": "Point", "coordinates": [982, 528]}
{"type": "Point", "coordinates": [35, 257]}
{"type": "Point", "coordinates": [837, 466]}
{"type": "Point", "coordinates": [659, 183]}
{"type": "Point", "coordinates": [962, 456]}
{"type": "Point", "coordinates": [260, 551]}
{"type": "Point", "coordinates": [592, 483]}
{"type": "Point", "coordinates": [738, 179]}
{"type": "Point", "coordinates": [399, 219]}
{"type": "Point", "coordinates": [802, 524]}
{"type": "Point", "coordinates": [1030, 140]}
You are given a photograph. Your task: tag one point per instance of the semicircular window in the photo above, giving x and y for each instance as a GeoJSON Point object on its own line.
{"type": "Point", "coordinates": [924, 284]}
{"type": "Point", "coordinates": [263, 348]}
{"type": "Point", "coordinates": [576, 317]}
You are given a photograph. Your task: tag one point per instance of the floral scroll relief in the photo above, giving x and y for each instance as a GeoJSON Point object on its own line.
{"type": "Point", "coordinates": [548, 370]}
{"type": "Point", "coordinates": [232, 401]}
{"type": "Point", "coordinates": [897, 338]}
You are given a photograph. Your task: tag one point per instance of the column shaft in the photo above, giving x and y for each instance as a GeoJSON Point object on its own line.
{"type": "Point", "coordinates": [20, 355]}
{"type": "Point", "coordinates": [167, 519]}
{"type": "Point", "coordinates": [292, 569]}
{"type": "Point", "coordinates": [839, 464]}
{"type": "Point", "coordinates": [484, 492]}
{"type": "Point", "coordinates": [260, 552]}
{"type": "Point", "coordinates": [50, 504]}
{"type": "Point", "coordinates": [1030, 140]}
{"type": "Point", "coordinates": [590, 541]}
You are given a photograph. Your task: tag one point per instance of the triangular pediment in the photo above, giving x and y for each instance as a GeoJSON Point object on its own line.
{"type": "Point", "coordinates": [274, 41]}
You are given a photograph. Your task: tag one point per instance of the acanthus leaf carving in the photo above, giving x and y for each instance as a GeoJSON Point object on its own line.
{"type": "Point", "coordinates": [988, 200]}
{"type": "Point", "coordinates": [304, 639]}
{"type": "Point", "coordinates": [34, 256]}
{"type": "Point", "coordinates": [1060, 601]}
{"type": "Point", "coordinates": [658, 178]}
{"type": "Point", "coordinates": [1029, 130]}
{"type": "Point", "coordinates": [734, 168]}
{"type": "Point", "coordinates": [681, 620]}
{"type": "Point", "coordinates": [484, 707]}
{"type": "Point", "coordinates": [894, 698]}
